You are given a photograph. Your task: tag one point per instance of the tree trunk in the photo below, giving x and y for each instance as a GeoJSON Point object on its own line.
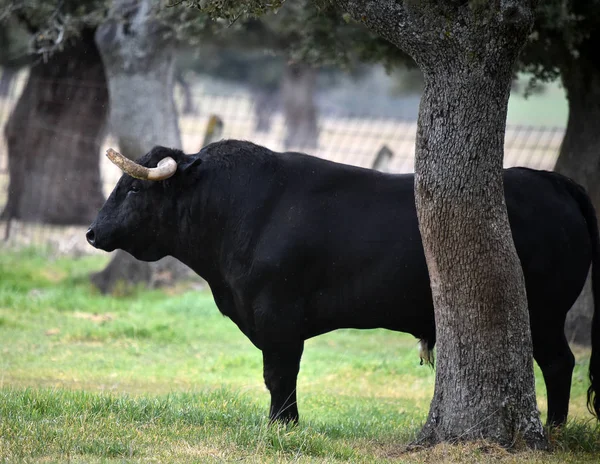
{"type": "Point", "coordinates": [265, 104]}
{"type": "Point", "coordinates": [140, 64]}
{"type": "Point", "coordinates": [578, 325]}
{"type": "Point", "coordinates": [188, 106]}
{"type": "Point", "coordinates": [54, 136]}
{"type": "Point", "coordinates": [300, 111]}
{"type": "Point", "coordinates": [484, 378]}
{"type": "Point", "coordinates": [7, 76]}
{"type": "Point", "coordinates": [484, 385]}
{"type": "Point", "coordinates": [579, 159]}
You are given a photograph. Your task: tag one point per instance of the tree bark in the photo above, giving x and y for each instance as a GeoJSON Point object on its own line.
{"type": "Point", "coordinates": [484, 378]}
{"type": "Point", "coordinates": [579, 159]}
{"type": "Point", "coordinates": [54, 136]}
{"type": "Point", "coordinates": [484, 384]}
{"type": "Point", "coordinates": [139, 58]}
{"type": "Point", "coordinates": [300, 111]}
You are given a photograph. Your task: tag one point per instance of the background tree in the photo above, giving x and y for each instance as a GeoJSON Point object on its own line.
{"type": "Point", "coordinates": [188, 106]}
{"type": "Point", "coordinates": [299, 106]}
{"type": "Point", "coordinates": [305, 31]}
{"type": "Point", "coordinates": [565, 44]}
{"type": "Point", "coordinates": [54, 132]}
{"type": "Point", "coordinates": [139, 57]}
{"type": "Point", "coordinates": [259, 71]}
{"type": "Point", "coordinates": [295, 47]}
{"type": "Point", "coordinates": [14, 52]}
{"type": "Point", "coordinates": [467, 52]}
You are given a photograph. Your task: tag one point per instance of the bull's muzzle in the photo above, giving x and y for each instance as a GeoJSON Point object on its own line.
{"type": "Point", "coordinates": [90, 236]}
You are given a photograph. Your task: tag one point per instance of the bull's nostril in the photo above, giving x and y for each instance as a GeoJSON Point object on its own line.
{"type": "Point", "coordinates": [91, 236]}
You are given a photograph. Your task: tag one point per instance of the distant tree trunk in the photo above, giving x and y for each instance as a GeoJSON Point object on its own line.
{"type": "Point", "coordinates": [54, 136]}
{"type": "Point", "coordinates": [300, 110]}
{"type": "Point", "coordinates": [140, 64]}
{"type": "Point", "coordinates": [579, 159]}
{"type": "Point", "coordinates": [265, 104]}
{"type": "Point", "coordinates": [6, 79]}
{"type": "Point", "coordinates": [578, 326]}
{"type": "Point", "coordinates": [484, 386]}
{"type": "Point", "coordinates": [188, 99]}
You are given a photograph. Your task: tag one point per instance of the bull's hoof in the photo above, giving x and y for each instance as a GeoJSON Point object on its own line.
{"type": "Point", "coordinates": [284, 419]}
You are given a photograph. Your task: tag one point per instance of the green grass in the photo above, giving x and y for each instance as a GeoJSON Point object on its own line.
{"type": "Point", "coordinates": [161, 376]}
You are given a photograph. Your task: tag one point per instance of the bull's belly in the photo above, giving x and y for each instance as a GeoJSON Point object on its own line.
{"type": "Point", "coordinates": [411, 317]}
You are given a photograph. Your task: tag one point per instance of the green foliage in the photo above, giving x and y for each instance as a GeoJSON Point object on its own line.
{"type": "Point", "coordinates": [233, 9]}
{"type": "Point", "coordinates": [408, 81]}
{"type": "Point", "coordinates": [309, 31]}
{"type": "Point", "coordinates": [256, 69]}
{"type": "Point", "coordinates": [312, 31]}
{"type": "Point", "coordinates": [14, 43]}
{"type": "Point", "coordinates": [563, 30]}
{"type": "Point", "coordinates": [54, 23]}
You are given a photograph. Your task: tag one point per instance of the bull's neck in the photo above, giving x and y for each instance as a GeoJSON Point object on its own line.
{"type": "Point", "coordinates": [223, 217]}
{"type": "Point", "coordinates": [204, 223]}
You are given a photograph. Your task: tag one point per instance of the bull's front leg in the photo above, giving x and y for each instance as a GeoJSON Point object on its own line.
{"type": "Point", "coordinates": [281, 364]}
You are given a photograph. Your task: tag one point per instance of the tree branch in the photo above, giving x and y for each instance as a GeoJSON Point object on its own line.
{"type": "Point", "coordinates": [433, 32]}
{"type": "Point", "coordinates": [390, 19]}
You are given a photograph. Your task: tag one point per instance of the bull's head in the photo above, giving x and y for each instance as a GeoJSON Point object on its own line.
{"type": "Point", "coordinates": [140, 215]}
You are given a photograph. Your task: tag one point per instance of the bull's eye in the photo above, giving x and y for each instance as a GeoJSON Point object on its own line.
{"type": "Point", "coordinates": [134, 189]}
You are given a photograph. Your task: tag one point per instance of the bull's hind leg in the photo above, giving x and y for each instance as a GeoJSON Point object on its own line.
{"type": "Point", "coordinates": [281, 364]}
{"type": "Point", "coordinates": [552, 353]}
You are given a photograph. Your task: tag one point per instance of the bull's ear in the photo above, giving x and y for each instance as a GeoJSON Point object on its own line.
{"type": "Point", "coordinates": [188, 170]}
{"type": "Point", "coordinates": [188, 164]}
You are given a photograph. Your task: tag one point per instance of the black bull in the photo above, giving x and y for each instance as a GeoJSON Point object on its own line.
{"type": "Point", "coordinates": [294, 246]}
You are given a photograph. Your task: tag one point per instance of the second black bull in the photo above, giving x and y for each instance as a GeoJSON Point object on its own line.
{"type": "Point", "coordinates": [294, 246]}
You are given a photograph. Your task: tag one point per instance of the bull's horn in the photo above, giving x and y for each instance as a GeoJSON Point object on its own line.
{"type": "Point", "coordinates": [166, 167]}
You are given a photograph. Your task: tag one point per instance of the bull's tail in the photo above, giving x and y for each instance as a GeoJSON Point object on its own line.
{"type": "Point", "coordinates": [593, 394]}
{"type": "Point", "coordinates": [585, 204]}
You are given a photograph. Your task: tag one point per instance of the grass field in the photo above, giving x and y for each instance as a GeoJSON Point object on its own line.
{"type": "Point", "coordinates": [161, 376]}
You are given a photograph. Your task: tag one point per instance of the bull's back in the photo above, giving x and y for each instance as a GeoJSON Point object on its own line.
{"type": "Point", "coordinates": [356, 235]}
